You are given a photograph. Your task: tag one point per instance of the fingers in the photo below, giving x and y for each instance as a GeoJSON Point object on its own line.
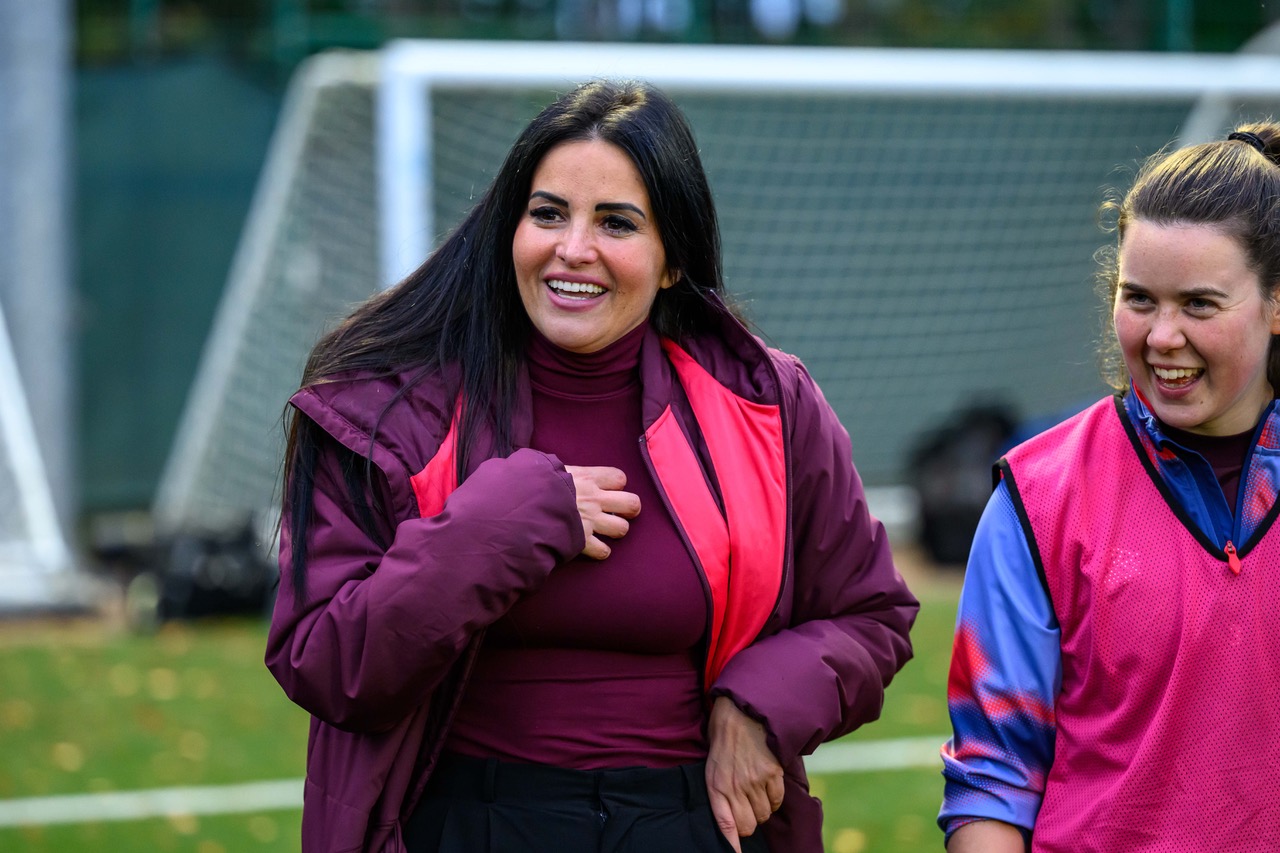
{"type": "Point", "coordinates": [744, 815]}
{"type": "Point", "coordinates": [774, 790]}
{"type": "Point", "coordinates": [741, 771]}
{"type": "Point", "coordinates": [604, 486]}
{"type": "Point", "coordinates": [604, 476]}
{"type": "Point", "coordinates": [761, 808]}
{"type": "Point", "coordinates": [603, 506]}
{"type": "Point", "coordinates": [735, 814]}
{"type": "Point", "coordinates": [595, 549]}
{"type": "Point", "coordinates": [602, 525]}
{"type": "Point", "coordinates": [608, 524]}
{"type": "Point", "coordinates": [725, 821]}
{"type": "Point", "coordinates": [750, 807]}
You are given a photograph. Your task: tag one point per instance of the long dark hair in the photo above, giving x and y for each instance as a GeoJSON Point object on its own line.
{"type": "Point", "coordinates": [461, 308]}
{"type": "Point", "coordinates": [1233, 184]}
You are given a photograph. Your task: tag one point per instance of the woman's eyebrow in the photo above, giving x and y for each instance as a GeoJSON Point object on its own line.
{"type": "Point", "coordinates": [621, 205]}
{"type": "Point", "coordinates": [551, 197]}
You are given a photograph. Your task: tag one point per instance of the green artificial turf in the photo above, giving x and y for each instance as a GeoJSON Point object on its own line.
{"type": "Point", "coordinates": [85, 708]}
{"type": "Point", "coordinates": [894, 811]}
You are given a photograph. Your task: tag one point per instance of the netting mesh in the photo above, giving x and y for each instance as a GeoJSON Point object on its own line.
{"type": "Point", "coordinates": [318, 259]}
{"type": "Point", "coordinates": [919, 253]}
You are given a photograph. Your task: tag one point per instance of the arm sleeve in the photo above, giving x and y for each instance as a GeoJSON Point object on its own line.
{"type": "Point", "coordinates": [377, 628]}
{"type": "Point", "coordinates": [824, 673]}
{"type": "Point", "coordinates": [1006, 671]}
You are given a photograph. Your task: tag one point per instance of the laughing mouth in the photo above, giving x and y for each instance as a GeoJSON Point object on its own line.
{"type": "Point", "coordinates": [1177, 375]}
{"type": "Point", "coordinates": [575, 289]}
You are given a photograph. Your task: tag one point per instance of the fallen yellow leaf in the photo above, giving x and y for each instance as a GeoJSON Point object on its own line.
{"type": "Point", "coordinates": [68, 757]}
{"type": "Point", "coordinates": [849, 840]}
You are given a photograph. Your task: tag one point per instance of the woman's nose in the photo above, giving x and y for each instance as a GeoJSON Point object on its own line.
{"type": "Point", "coordinates": [1166, 333]}
{"type": "Point", "coordinates": [576, 247]}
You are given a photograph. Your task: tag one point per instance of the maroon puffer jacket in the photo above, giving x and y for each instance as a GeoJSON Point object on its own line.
{"type": "Point", "coordinates": [378, 648]}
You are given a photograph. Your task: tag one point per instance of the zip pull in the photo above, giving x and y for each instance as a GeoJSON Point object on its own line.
{"type": "Point", "coordinates": [1232, 559]}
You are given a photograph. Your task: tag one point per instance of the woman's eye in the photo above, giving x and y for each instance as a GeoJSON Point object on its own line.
{"type": "Point", "coordinates": [544, 214]}
{"type": "Point", "coordinates": [1200, 305]}
{"type": "Point", "coordinates": [1137, 300]}
{"type": "Point", "coordinates": [619, 224]}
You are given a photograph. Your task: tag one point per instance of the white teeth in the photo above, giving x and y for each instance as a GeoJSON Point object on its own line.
{"type": "Point", "coordinates": [575, 287]}
{"type": "Point", "coordinates": [1176, 373]}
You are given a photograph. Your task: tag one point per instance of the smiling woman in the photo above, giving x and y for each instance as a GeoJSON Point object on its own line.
{"type": "Point", "coordinates": [1195, 326]}
{"type": "Point", "coordinates": [515, 487]}
{"type": "Point", "coordinates": [588, 256]}
{"type": "Point", "coordinates": [1118, 614]}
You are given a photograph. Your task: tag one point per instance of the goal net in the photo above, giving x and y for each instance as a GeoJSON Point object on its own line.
{"type": "Point", "coordinates": [36, 568]}
{"type": "Point", "coordinates": [918, 226]}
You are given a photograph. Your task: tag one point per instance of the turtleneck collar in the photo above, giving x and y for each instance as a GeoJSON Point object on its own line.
{"type": "Point", "coordinates": [603, 373]}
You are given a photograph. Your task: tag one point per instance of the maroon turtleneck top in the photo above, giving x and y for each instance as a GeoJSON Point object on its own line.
{"type": "Point", "coordinates": [600, 667]}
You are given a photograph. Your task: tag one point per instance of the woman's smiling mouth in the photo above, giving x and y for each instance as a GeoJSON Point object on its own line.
{"type": "Point", "coordinates": [1177, 376]}
{"type": "Point", "coordinates": [575, 289]}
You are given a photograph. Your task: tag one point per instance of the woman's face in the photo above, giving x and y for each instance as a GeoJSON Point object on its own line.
{"type": "Point", "coordinates": [588, 256]}
{"type": "Point", "coordinates": [1194, 326]}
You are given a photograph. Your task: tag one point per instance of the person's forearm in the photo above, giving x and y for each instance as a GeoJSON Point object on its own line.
{"type": "Point", "coordinates": [986, 836]}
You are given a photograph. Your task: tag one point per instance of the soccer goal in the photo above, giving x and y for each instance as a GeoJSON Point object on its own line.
{"type": "Point", "coordinates": [36, 567]}
{"type": "Point", "coordinates": [919, 226]}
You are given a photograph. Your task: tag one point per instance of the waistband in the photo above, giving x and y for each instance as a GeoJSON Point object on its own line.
{"type": "Point", "coordinates": [490, 780]}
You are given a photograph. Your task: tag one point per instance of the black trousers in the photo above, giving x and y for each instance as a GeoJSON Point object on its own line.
{"type": "Point", "coordinates": [473, 805]}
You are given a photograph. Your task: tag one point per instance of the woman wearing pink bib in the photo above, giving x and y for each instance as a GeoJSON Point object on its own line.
{"type": "Point", "coordinates": [1116, 667]}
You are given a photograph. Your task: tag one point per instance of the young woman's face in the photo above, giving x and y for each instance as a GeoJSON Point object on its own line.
{"type": "Point", "coordinates": [1194, 326]}
{"type": "Point", "coordinates": [588, 256]}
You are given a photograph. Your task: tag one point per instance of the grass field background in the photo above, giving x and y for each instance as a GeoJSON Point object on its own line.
{"type": "Point", "coordinates": [88, 707]}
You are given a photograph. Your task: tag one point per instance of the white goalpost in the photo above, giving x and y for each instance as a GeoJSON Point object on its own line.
{"type": "Point", "coordinates": [36, 566]}
{"type": "Point", "coordinates": [412, 70]}
{"type": "Point", "coordinates": [917, 225]}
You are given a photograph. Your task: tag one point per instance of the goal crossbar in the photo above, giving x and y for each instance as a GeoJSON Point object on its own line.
{"type": "Point", "coordinates": [912, 223]}
{"type": "Point", "coordinates": [411, 69]}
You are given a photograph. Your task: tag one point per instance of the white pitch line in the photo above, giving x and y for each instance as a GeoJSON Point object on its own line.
{"type": "Point", "coordinates": [868, 756]}
{"type": "Point", "coordinates": [286, 794]}
{"type": "Point", "coordinates": [157, 802]}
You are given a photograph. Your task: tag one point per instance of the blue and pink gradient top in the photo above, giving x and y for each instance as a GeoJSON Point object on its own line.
{"type": "Point", "coordinates": [1117, 624]}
